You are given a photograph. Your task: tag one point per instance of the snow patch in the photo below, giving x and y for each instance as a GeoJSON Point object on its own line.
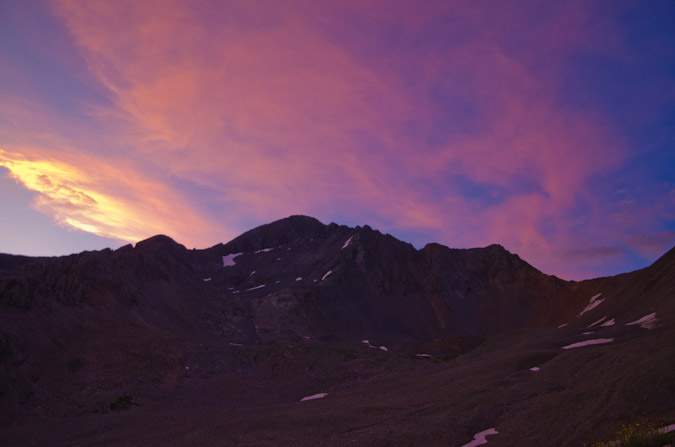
{"type": "Point", "coordinates": [235, 291]}
{"type": "Point", "coordinates": [326, 275]}
{"type": "Point", "coordinates": [314, 396]}
{"type": "Point", "coordinates": [264, 250]}
{"type": "Point", "coordinates": [255, 288]}
{"type": "Point", "coordinates": [299, 278]}
{"type": "Point", "coordinates": [346, 244]}
{"type": "Point", "coordinates": [383, 348]}
{"type": "Point", "coordinates": [562, 325]}
{"type": "Point", "coordinates": [235, 344]}
{"type": "Point", "coordinates": [423, 355]}
{"type": "Point", "coordinates": [596, 341]}
{"type": "Point", "coordinates": [597, 322]}
{"type": "Point", "coordinates": [536, 368]}
{"type": "Point", "coordinates": [277, 281]}
{"type": "Point", "coordinates": [206, 279]}
{"type": "Point", "coordinates": [608, 323]}
{"type": "Point", "coordinates": [228, 261]}
{"type": "Point", "coordinates": [595, 302]}
{"type": "Point", "coordinates": [479, 438]}
{"type": "Point", "coordinates": [646, 322]}
{"type": "Point", "coordinates": [367, 342]}
{"type": "Point", "coordinates": [588, 333]}
{"type": "Point", "coordinates": [252, 273]}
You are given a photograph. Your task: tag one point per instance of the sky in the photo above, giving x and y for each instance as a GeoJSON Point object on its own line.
{"type": "Point", "coordinates": [546, 127]}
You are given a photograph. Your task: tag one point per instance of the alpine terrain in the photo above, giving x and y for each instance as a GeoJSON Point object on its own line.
{"type": "Point", "coordinates": [299, 333]}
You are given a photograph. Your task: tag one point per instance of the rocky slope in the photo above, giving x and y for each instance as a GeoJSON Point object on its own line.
{"type": "Point", "coordinates": [440, 339]}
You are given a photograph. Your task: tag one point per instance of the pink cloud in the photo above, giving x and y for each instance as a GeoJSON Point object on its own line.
{"type": "Point", "coordinates": [335, 109]}
{"type": "Point", "coordinates": [260, 106]}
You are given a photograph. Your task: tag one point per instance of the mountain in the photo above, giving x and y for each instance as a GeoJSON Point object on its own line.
{"type": "Point", "coordinates": [430, 346]}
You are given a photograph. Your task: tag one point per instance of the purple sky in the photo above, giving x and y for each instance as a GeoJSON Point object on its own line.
{"type": "Point", "coordinates": [547, 127]}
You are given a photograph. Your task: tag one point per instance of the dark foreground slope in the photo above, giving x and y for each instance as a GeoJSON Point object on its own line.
{"type": "Point", "coordinates": [219, 349]}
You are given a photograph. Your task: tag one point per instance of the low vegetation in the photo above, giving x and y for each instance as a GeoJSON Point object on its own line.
{"type": "Point", "coordinates": [122, 403]}
{"type": "Point", "coordinates": [638, 435]}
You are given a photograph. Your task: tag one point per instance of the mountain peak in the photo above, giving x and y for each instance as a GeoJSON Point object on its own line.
{"type": "Point", "coordinates": [298, 220]}
{"type": "Point", "coordinates": [158, 242]}
{"type": "Point", "coordinates": [277, 233]}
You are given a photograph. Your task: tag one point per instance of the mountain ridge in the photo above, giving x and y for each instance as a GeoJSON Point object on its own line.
{"type": "Point", "coordinates": [296, 308]}
{"type": "Point", "coordinates": [455, 273]}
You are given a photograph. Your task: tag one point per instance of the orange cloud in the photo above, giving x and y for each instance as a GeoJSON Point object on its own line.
{"type": "Point", "coordinates": [99, 198]}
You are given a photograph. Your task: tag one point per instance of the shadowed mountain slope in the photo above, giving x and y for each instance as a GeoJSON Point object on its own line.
{"type": "Point", "coordinates": [296, 307]}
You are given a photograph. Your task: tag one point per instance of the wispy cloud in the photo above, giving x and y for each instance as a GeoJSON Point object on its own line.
{"type": "Point", "coordinates": [95, 197]}
{"type": "Point", "coordinates": [589, 253]}
{"type": "Point", "coordinates": [279, 109]}
{"type": "Point", "coordinates": [652, 245]}
{"type": "Point", "coordinates": [453, 121]}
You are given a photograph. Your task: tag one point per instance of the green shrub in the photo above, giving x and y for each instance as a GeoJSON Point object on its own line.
{"type": "Point", "coordinates": [638, 435]}
{"type": "Point", "coordinates": [123, 403]}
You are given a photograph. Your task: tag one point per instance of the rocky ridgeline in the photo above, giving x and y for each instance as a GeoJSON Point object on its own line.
{"type": "Point", "coordinates": [304, 309]}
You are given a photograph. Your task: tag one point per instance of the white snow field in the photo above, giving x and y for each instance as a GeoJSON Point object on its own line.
{"type": "Point", "coordinates": [595, 341]}
{"type": "Point", "coordinates": [228, 261]}
{"type": "Point", "coordinates": [346, 244]}
{"type": "Point", "coordinates": [367, 342]}
{"type": "Point", "coordinates": [646, 322]}
{"type": "Point", "coordinates": [597, 322]}
{"type": "Point", "coordinates": [595, 302]}
{"type": "Point", "coordinates": [479, 438]}
{"type": "Point", "coordinates": [314, 396]}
